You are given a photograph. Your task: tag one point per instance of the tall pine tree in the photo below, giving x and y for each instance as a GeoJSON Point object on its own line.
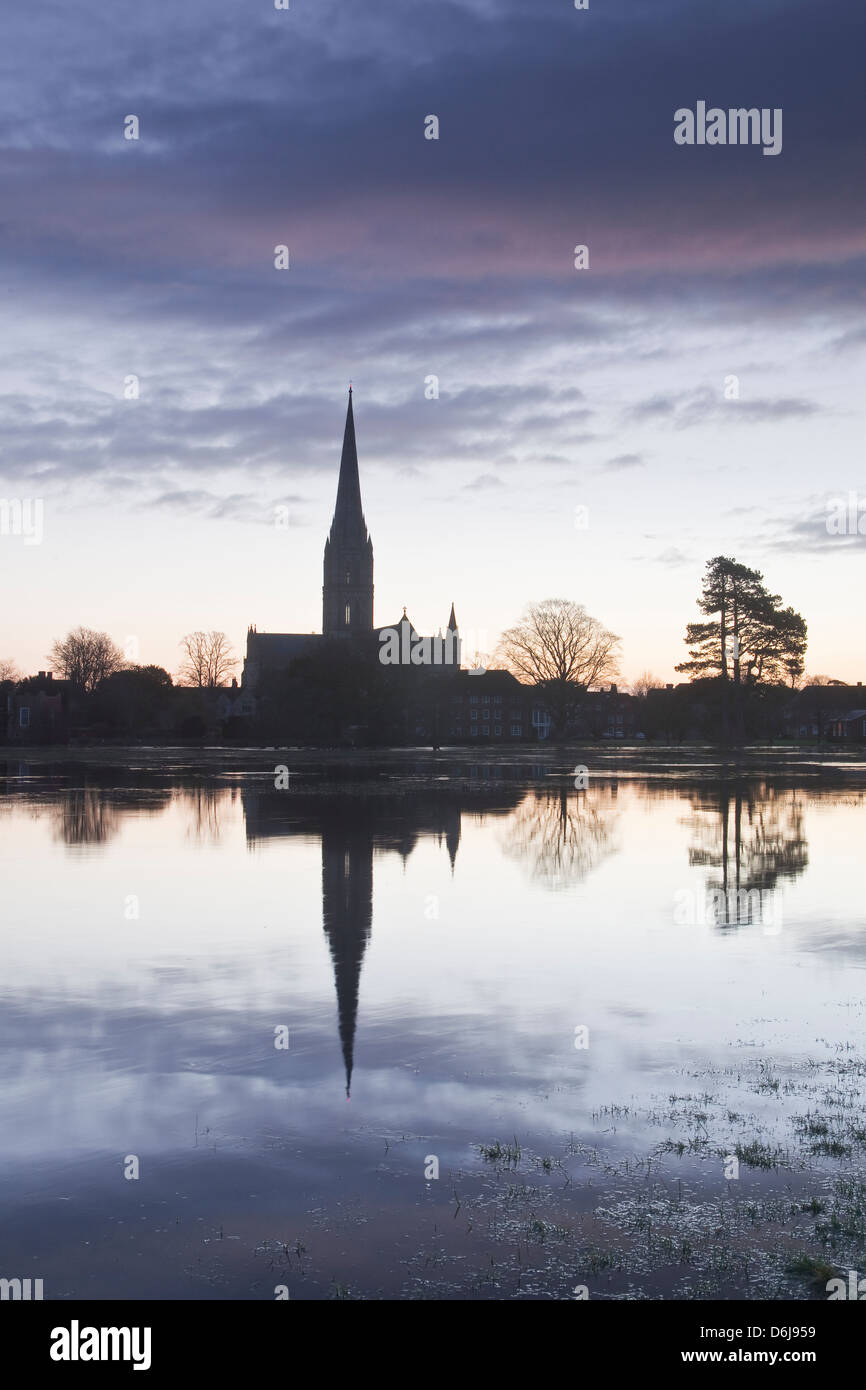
{"type": "Point", "coordinates": [749, 639]}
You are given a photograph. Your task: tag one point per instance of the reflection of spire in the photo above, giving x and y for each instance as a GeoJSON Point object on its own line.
{"type": "Point", "coordinates": [347, 914]}
{"type": "Point", "coordinates": [452, 834]}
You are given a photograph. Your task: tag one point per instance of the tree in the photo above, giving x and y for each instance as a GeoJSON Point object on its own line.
{"type": "Point", "coordinates": [85, 658]}
{"type": "Point", "coordinates": [644, 683]}
{"type": "Point", "coordinates": [136, 699]}
{"type": "Point", "coordinates": [209, 660]}
{"type": "Point", "coordinates": [564, 651]}
{"type": "Point", "coordinates": [749, 638]}
{"type": "Point", "coordinates": [8, 670]}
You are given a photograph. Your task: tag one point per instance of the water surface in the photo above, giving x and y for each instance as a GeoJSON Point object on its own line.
{"type": "Point", "coordinates": [578, 1006]}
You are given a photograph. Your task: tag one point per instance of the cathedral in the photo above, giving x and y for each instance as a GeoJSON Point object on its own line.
{"type": "Point", "coordinates": [347, 594]}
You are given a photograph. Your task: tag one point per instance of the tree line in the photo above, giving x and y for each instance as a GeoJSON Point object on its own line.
{"type": "Point", "coordinates": [746, 640]}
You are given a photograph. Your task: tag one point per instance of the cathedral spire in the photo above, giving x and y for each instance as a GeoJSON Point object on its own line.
{"type": "Point", "coordinates": [347, 593]}
{"type": "Point", "coordinates": [452, 621]}
{"type": "Point", "coordinates": [348, 507]}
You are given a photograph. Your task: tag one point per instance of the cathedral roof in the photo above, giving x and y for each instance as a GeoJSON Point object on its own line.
{"type": "Point", "coordinates": [348, 511]}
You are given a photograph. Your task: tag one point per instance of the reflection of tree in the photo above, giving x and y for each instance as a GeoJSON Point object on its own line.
{"type": "Point", "coordinates": [203, 804]}
{"type": "Point", "coordinates": [751, 839]}
{"type": "Point", "coordinates": [92, 815]}
{"type": "Point", "coordinates": [85, 817]}
{"type": "Point", "coordinates": [562, 836]}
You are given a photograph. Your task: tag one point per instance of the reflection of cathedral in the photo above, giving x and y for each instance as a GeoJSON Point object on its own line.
{"type": "Point", "coordinates": [347, 917]}
{"type": "Point", "coordinates": [352, 831]}
{"type": "Point", "coordinates": [347, 591]}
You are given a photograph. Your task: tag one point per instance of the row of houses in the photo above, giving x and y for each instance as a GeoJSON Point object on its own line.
{"type": "Point", "coordinates": [468, 707]}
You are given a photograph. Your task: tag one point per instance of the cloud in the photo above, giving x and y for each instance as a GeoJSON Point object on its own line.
{"type": "Point", "coordinates": [673, 556]}
{"type": "Point", "coordinates": [243, 507]}
{"type": "Point", "coordinates": [625, 461]}
{"type": "Point", "coordinates": [483, 483]}
{"type": "Point", "coordinates": [836, 525]}
{"type": "Point", "coordinates": [703, 406]}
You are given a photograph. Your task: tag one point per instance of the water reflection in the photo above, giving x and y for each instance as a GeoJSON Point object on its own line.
{"type": "Point", "coordinates": [562, 837]}
{"type": "Point", "coordinates": [155, 1035]}
{"type": "Point", "coordinates": [752, 839]}
{"type": "Point", "coordinates": [91, 815]}
{"type": "Point", "coordinates": [351, 830]}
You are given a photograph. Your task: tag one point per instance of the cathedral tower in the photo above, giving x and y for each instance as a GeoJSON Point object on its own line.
{"type": "Point", "coordinates": [347, 593]}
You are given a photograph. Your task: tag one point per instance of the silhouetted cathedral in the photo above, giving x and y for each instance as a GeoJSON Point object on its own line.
{"type": "Point", "coordinates": [347, 593]}
{"type": "Point", "coordinates": [347, 590]}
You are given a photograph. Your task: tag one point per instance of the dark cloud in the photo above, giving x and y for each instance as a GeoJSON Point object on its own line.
{"type": "Point", "coordinates": [408, 257]}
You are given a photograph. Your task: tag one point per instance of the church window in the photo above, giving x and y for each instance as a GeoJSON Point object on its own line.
{"type": "Point", "coordinates": [348, 576]}
{"type": "Point", "coordinates": [348, 614]}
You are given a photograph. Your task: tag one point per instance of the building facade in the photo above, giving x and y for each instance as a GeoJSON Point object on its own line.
{"type": "Point", "coordinates": [347, 597]}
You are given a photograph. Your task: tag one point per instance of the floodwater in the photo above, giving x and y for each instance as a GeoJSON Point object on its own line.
{"type": "Point", "coordinates": [439, 1029]}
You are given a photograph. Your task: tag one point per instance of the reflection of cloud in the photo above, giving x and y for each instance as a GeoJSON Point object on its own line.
{"type": "Point", "coordinates": [561, 838]}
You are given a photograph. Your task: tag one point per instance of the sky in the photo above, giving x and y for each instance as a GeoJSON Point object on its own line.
{"type": "Point", "coordinates": [586, 441]}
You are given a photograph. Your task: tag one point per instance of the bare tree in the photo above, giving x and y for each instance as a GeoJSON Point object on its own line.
{"type": "Point", "coordinates": [85, 658]}
{"type": "Point", "coordinates": [561, 838]}
{"type": "Point", "coordinates": [8, 670]}
{"type": "Point", "coordinates": [209, 660]}
{"type": "Point", "coordinates": [644, 683]}
{"type": "Point", "coordinates": [564, 651]}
